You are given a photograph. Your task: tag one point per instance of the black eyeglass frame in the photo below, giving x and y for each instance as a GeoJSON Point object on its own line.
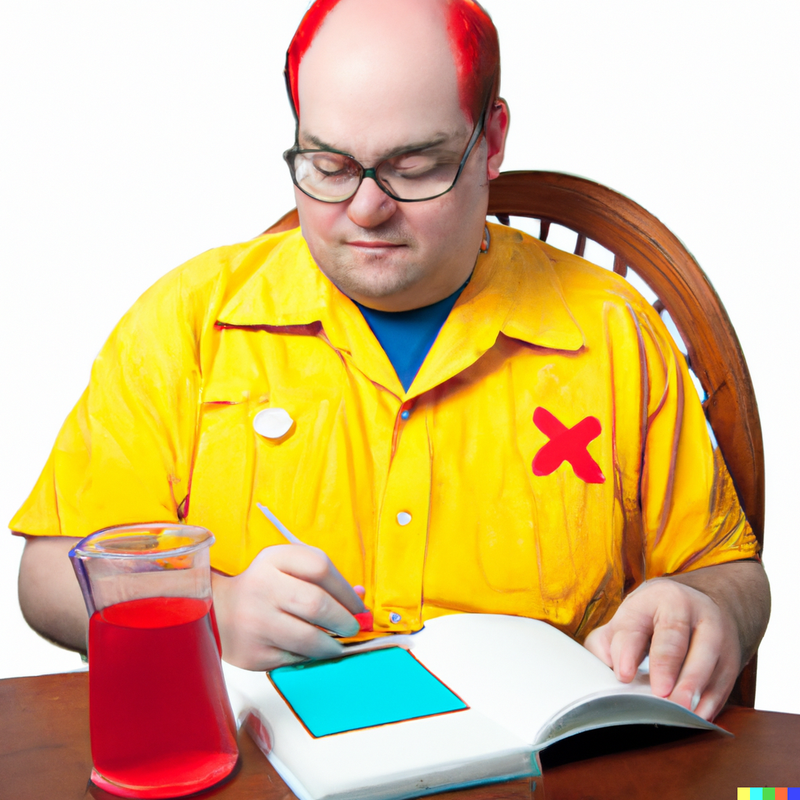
{"type": "Point", "coordinates": [372, 172]}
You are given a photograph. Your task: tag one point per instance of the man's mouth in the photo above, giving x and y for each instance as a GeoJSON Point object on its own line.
{"type": "Point", "coordinates": [374, 244]}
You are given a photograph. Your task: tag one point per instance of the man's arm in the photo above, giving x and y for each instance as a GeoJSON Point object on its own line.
{"type": "Point", "coordinates": [49, 594]}
{"type": "Point", "coordinates": [700, 629]}
{"type": "Point", "coordinates": [271, 614]}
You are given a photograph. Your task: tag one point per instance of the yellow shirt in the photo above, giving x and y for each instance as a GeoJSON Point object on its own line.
{"type": "Point", "coordinates": [552, 454]}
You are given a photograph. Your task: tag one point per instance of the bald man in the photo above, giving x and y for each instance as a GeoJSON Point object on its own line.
{"type": "Point", "coordinates": [427, 367]}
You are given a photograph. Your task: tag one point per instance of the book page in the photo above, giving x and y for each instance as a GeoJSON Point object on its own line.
{"type": "Point", "coordinates": [519, 672]}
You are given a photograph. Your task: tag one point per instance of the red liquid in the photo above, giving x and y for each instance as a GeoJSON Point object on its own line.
{"type": "Point", "coordinates": [161, 723]}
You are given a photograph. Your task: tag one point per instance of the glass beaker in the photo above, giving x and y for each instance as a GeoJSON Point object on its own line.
{"type": "Point", "coordinates": [160, 719]}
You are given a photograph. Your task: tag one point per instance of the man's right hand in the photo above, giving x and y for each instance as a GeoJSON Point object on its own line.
{"type": "Point", "coordinates": [272, 613]}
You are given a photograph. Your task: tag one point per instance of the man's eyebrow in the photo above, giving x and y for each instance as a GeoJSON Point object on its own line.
{"type": "Point", "coordinates": [410, 147]}
{"type": "Point", "coordinates": [317, 142]}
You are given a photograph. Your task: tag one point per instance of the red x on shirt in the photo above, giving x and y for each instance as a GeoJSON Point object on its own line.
{"type": "Point", "coordinates": [567, 444]}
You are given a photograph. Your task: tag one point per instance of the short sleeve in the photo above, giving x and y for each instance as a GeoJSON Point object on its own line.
{"type": "Point", "coordinates": [691, 514]}
{"type": "Point", "coordinates": [124, 453]}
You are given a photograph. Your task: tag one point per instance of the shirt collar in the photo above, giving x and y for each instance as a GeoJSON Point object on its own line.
{"type": "Point", "coordinates": [287, 289]}
{"type": "Point", "coordinates": [514, 291]}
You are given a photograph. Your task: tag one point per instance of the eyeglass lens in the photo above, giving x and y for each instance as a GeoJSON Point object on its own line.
{"type": "Point", "coordinates": [413, 176]}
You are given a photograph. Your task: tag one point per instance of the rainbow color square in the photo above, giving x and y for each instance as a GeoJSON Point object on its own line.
{"type": "Point", "coordinates": [763, 793]}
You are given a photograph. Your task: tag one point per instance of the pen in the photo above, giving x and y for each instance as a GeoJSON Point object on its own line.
{"type": "Point", "coordinates": [278, 524]}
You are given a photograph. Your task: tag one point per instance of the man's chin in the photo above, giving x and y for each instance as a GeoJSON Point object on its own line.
{"type": "Point", "coordinates": [365, 287]}
{"type": "Point", "coordinates": [365, 292]}
{"type": "Point", "coordinates": [373, 275]}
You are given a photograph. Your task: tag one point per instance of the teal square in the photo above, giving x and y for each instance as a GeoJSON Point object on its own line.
{"type": "Point", "coordinates": [756, 793]}
{"type": "Point", "coordinates": [362, 691]}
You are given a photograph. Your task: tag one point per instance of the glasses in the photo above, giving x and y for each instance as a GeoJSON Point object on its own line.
{"type": "Point", "coordinates": [333, 177]}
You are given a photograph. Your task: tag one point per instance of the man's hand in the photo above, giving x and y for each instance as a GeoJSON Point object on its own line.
{"type": "Point", "coordinates": [271, 614]}
{"type": "Point", "coordinates": [699, 628]}
{"type": "Point", "coordinates": [693, 646]}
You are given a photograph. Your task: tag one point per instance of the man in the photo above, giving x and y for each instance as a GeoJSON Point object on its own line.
{"type": "Point", "coordinates": [419, 371]}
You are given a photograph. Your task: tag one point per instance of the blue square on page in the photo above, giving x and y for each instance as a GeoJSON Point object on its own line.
{"type": "Point", "coordinates": [363, 690]}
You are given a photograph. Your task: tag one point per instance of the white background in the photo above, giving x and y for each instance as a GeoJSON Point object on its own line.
{"type": "Point", "coordinates": [137, 134]}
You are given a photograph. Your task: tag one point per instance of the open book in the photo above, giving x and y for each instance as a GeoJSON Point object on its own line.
{"type": "Point", "coordinates": [471, 698]}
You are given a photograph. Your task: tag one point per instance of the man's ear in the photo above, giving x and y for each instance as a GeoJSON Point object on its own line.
{"type": "Point", "coordinates": [497, 122]}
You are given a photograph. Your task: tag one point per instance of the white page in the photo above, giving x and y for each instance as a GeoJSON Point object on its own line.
{"type": "Point", "coordinates": [519, 672]}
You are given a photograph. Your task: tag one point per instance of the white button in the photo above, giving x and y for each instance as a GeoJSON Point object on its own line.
{"type": "Point", "coordinates": [394, 618]}
{"type": "Point", "coordinates": [272, 423]}
{"type": "Point", "coordinates": [403, 518]}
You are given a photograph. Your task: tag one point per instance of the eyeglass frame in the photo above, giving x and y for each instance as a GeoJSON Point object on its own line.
{"type": "Point", "coordinates": [371, 172]}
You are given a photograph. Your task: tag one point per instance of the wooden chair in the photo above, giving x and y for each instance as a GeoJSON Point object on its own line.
{"type": "Point", "coordinates": [639, 242]}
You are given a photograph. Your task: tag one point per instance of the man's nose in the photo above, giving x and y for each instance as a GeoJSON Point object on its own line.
{"type": "Point", "coordinates": [370, 206]}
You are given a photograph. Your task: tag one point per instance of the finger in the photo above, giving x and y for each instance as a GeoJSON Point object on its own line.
{"type": "Point", "coordinates": [708, 674]}
{"type": "Point", "coordinates": [668, 649]}
{"type": "Point", "coordinates": [628, 648]}
{"type": "Point", "coordinates": [273, 657]}
{"type": "Point", "coordinates": [293, 636]}
{"type": "Point", "coordinates": [716, 693]}
{"type": "Point", "coordinates": [261, 657]}
{"type": "Point", "coordinates": [312, 604]}
{"type": "Point", "coordinates": [698, 668]}
{"type": "Point", "coordinates": [312, 565]}
{"type": "Point", "coordinates": [598, 642]}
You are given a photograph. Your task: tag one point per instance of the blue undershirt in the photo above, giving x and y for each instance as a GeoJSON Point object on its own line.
{"type": "Point", "coordinates": [407, 336]}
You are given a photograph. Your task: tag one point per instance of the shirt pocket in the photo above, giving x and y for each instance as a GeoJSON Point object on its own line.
{"type": "Point", "coordinates": [221, 486]}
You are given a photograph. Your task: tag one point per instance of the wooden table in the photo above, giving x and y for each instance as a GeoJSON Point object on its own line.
{"type": "Point", "coordinates": [45, 755]}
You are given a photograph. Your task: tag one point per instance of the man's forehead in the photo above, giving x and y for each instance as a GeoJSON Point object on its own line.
{"type": "Point", "coordinates": [382, 65]}
{"type": "Point", "coordinates": [433, 142]}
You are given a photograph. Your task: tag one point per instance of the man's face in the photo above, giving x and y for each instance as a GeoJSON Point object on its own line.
{"type": "Point", "coordinates": [380, 80]}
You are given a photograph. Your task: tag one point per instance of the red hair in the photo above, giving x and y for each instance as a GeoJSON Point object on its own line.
{"type": "Point", "coordinates": [473, 40]}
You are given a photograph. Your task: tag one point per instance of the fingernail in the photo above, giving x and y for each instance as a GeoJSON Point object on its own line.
{"type": "Point", "coordinates": [364, 620]}
{"type": "Point", "coordinates": [695, 700]}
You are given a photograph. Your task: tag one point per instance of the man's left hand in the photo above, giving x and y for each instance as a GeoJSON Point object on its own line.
{"type": "Point", "coordinates": [697, 640]}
